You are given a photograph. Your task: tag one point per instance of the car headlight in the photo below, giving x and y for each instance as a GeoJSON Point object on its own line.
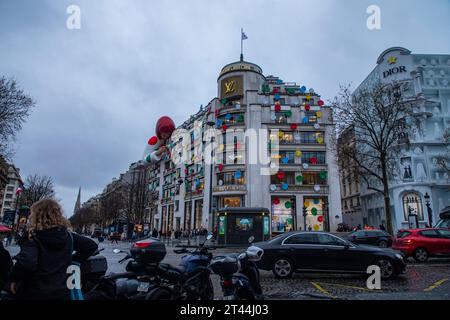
{"type": "Point", "coordinates": [399, 256]}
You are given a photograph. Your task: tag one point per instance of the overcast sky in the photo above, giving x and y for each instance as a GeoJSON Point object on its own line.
{"type": "Point", "coordinates": [100, 89]}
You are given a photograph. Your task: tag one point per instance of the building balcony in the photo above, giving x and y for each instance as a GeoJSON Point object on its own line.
{"type": "Point", "coordinates": [307, 189]}
{"type": "Point", "coordinates": [227, 108]}
{"type": "Point", "coordinates": [194, 193]}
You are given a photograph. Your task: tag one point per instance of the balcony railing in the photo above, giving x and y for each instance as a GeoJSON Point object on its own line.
{"type": "Point", "coordinates": [230, 187]}
{"type": "Point", "coordinates": [324, 189]}
{"type": "Point", "coordinates": [194, 193]}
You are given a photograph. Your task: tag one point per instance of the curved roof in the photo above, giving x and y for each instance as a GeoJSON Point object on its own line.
{"type": "Point", "coordinates": [401, 49]}
{"type": "Point", "coordinates": [240, 66]}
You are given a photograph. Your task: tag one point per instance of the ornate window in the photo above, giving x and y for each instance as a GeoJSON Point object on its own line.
{"type": "Point", "coordinates": [412, 204]}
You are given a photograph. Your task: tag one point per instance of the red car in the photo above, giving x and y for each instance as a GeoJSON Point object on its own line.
{"type": "Point", "coordinates": [423, 243]}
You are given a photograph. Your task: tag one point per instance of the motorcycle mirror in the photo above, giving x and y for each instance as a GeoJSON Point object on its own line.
{"type": "Point", "coordinates": [251, 239]}
{"type": "Point", "coordinates": [116, 251]}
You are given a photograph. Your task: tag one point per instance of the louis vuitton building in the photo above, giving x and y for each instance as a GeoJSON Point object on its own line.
{"type": "Point", "coordinates": [252, 115]}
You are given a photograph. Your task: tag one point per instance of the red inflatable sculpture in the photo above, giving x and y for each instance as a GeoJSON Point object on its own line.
{"type": "Point", "coordinates": [156, 147]}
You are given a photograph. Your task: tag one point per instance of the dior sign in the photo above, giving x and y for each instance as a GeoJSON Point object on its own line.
{"type": "Point", "coordinates": [394, 70]}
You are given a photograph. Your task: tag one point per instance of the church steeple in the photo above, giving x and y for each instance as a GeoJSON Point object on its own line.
{"type": "Point", "coordinates": [78, 203]}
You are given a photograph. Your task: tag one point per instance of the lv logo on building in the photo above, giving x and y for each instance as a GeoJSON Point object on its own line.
{"type": "Point", "coordinates": [230, 87]}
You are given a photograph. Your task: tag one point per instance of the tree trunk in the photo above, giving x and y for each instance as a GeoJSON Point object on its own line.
{"type": "Point", "coordinates": [387, 199]}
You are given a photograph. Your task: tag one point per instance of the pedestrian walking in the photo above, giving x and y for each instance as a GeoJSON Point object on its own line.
{"type": "Point", "coordinates": [40, 271]}
{"type": "Point", "coordinates": [5, 265]}
{"type": "Point", "coordinates": [172, 236]}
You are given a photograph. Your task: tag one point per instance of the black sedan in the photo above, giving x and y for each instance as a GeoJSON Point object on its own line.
{"type": "Point", "coordinates": [324, 252]}
{"type": "Point", "coordinates": [371, 237]}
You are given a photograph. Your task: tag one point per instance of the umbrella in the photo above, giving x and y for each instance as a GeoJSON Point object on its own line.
{"type": "Point", "coordinates": [4, 228]}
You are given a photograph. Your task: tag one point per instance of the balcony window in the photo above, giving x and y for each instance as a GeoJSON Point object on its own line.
{"type": "Point", "coordinates": [280, 117]}
{"type": "Point", "coordinates": [229, 178]}
{"type": "Point", "coordinates": [311, 115]}
{"type": "Point", "coordinates": [313, 178]}
{"type": "Point", "coordinates": [311, 137]}
{"type": "Point", "coordinates": [308, 155]}
{"type": "Point", "coordinates": [231, 119]}
{"type": "Point", "coordinates": [289, 178]}
{"type": "Point", "coordinates": [285, 157]}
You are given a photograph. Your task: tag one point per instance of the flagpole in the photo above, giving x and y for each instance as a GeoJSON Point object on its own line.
{"type": "Point", "coordinates": [242, 41]}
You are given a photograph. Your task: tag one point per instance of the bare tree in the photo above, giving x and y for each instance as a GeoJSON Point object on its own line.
{"type": "Point", "coordinates": [36, 188]}
{"type": "Point", "coordinates": [15, 107]}
{"type": "Point", "coordinates": [379, 118]}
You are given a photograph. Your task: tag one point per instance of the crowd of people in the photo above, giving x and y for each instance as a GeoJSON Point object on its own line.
{"type": "Point", "coordinates": [176, 236]}
{"type": "Point", "coordinates": [343, 227]}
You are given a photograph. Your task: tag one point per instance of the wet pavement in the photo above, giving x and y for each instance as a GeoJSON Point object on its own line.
{"type": "Point", "coordinates": [422, 281]}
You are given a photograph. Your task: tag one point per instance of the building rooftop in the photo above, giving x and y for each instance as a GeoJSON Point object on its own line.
{"type": "Point", "coordinates": [240, 66]}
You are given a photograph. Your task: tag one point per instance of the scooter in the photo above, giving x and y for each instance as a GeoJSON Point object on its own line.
{"type": "Point", "coordinates": [239, 274]}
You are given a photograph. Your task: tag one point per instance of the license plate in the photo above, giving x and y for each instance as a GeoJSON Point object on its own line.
{"type": "Point", "coordinates": [228, 297]}
{"type": "Point", "coordinates": [143, 287]}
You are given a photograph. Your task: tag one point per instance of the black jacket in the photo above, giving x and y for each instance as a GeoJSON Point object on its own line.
{"type": "Point", "coordinates": [41, 265]}
{"type": "Point", "coordinates": [5, 265]}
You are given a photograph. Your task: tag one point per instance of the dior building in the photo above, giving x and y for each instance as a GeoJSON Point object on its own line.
{"type": "Point", "coordinates": [422, 188]}
{"type": "Point", "coordinates": [252, 116]}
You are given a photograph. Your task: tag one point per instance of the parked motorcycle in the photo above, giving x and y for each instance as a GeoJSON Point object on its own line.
{"type": "Point", "coordinates": [239, 275]}
{"type": "Point", "coordinates": [188, 281]}
{"type": "Point", "coordinates": [96, 285]}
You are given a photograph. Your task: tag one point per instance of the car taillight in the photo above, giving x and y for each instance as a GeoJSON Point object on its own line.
{"type": "Point", "coordinates": [142, 244]}
{"type": "Point", "coordinates": [404, 241]}
{"type": "Point", "coordinates": [227, 283]}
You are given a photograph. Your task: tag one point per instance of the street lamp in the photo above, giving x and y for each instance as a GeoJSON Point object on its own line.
{"type": "Point", "coordinates": [211, 124]}
{"type": "Point", "coordinates": [429, 210]}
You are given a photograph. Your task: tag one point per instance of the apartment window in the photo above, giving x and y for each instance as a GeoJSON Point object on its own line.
{"type": "Point", "coordinates": [7, 203]}
{"type": "Point", "coordinates": [229, 178]}
{"type": "Point", "coordinates": [10, 188]}
{"type": "Point", "coordinates": [280, 117]}
{"type": "Point", "coordinates": [311, 137]}
{"type": "Point", "coordinates": [308, 155]}
{"type": "Point", "coordinates": [231, 119]}
{"type": "Point", "coordinates": [285, 157]}
{"type": "Point", "coordinates": [345, 204]}
{"type": "Point", "coordinates": [8, 196]}
{"type": "Point", "coordinates": [312, 118]}
{"type": "Point", "coordinates": [289, 178]}
{"type": "Point", "coordinates": [313, 178]}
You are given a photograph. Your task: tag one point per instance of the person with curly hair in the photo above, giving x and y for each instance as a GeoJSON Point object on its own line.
{"type": "Point", "coordinates": [41, 265]}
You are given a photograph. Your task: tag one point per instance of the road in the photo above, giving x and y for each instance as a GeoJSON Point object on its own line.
{"type": "Point", "coordinates": [427, 281]}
